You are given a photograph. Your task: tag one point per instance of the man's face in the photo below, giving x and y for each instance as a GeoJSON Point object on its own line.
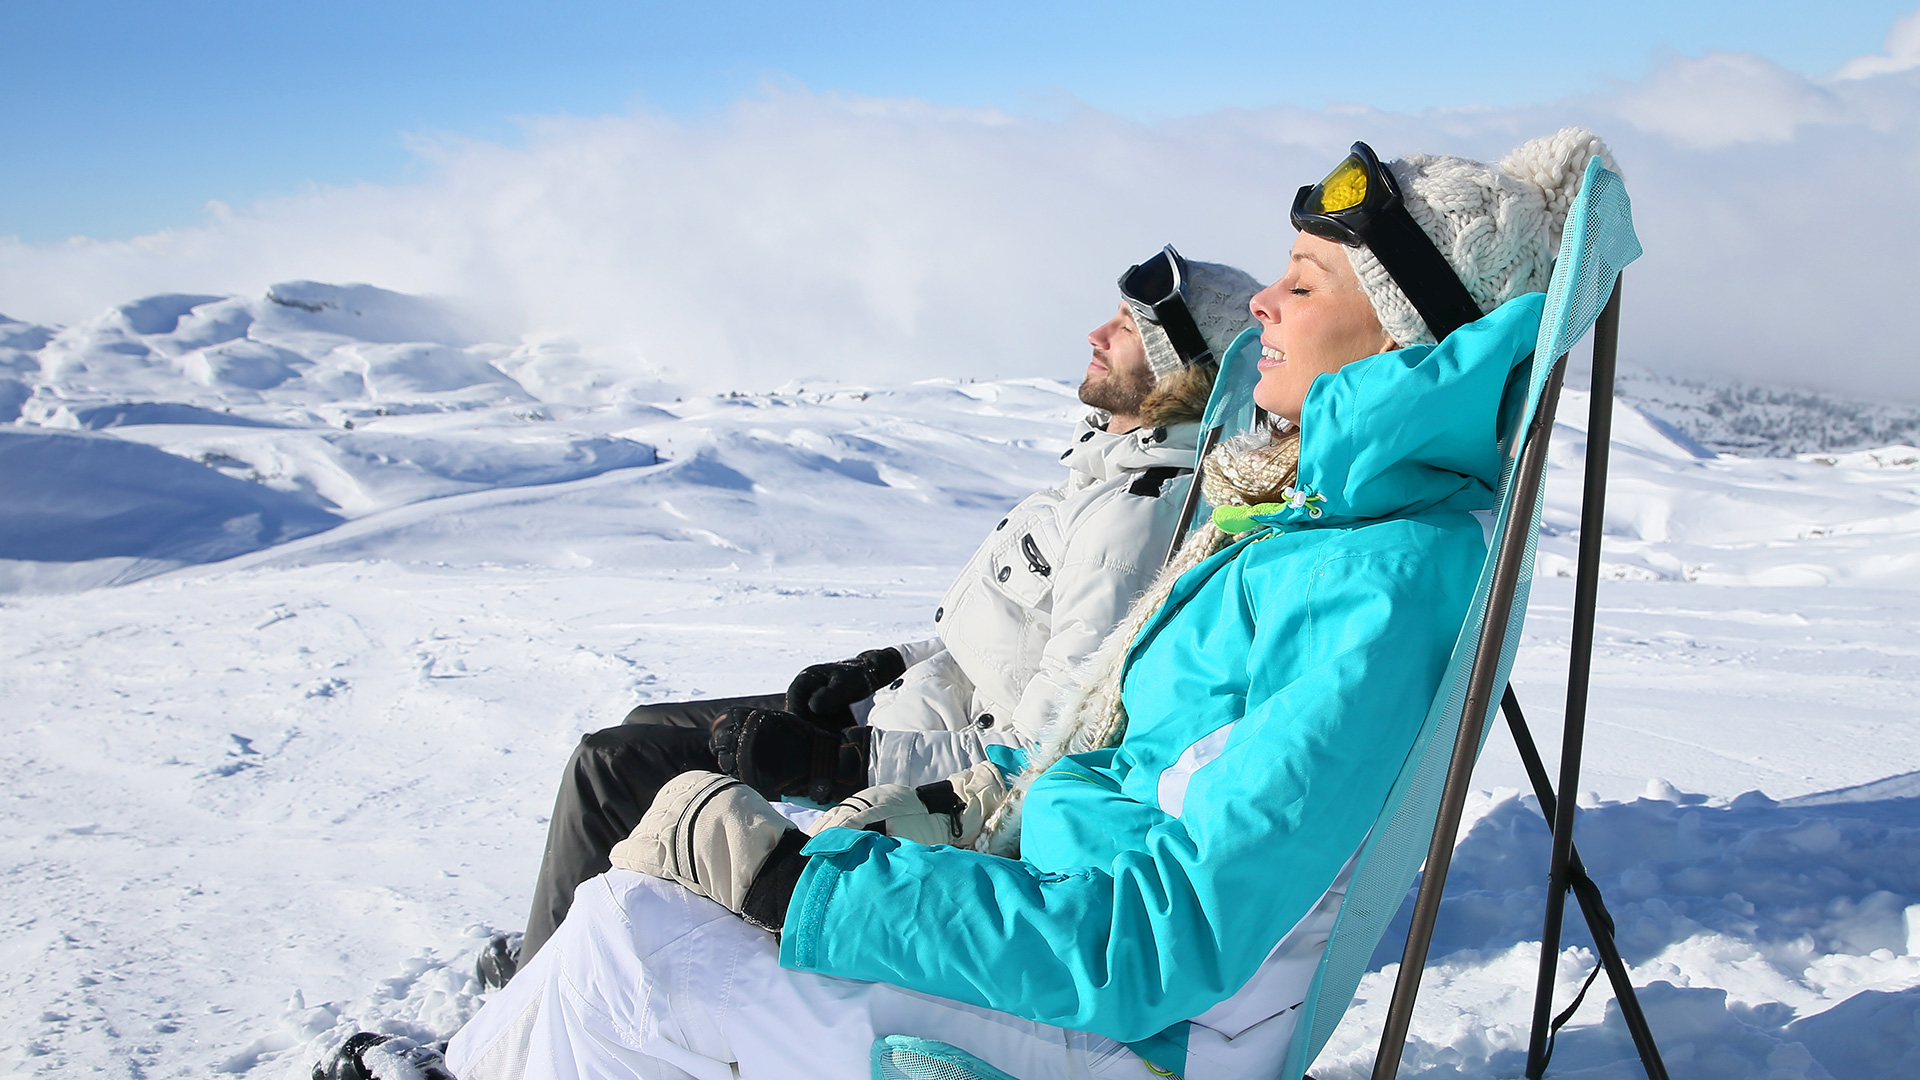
{"type": "Point", "coordinates": [1118, 378]}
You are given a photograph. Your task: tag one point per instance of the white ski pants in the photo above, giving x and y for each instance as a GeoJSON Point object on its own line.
{"type": "Point", "coordinates": [647, 980]}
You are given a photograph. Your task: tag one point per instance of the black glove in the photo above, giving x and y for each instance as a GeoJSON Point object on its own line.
{"type": "Point", "coordinates": [776, 753]}
{"type": "Point", "coordinates": [823, 693]}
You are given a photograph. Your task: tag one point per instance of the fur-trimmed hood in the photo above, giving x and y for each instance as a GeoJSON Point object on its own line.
{"type": "Point", "coordinates": [1180, 398]}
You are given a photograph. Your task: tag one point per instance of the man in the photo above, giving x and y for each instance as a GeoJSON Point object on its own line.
{"type": "Point", "coordinates": [1047, 584]}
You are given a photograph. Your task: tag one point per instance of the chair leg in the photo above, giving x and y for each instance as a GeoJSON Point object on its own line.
{"type": "Point", "coordinates": [1599, 921]}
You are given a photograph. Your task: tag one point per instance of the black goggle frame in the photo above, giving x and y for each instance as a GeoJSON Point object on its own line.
{"type": "Point", "coordinates": [1156, 290]}
{"type": "Point", "coordinates": [1381, 223]}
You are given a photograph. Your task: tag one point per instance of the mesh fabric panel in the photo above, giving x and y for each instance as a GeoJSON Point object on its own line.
{"type": "Point", "coordinates": [1597, 244]}
{"type": "Point", "coordinates": [1599, 238]}
{"type": "Point", "coordinates": [903, 1057]}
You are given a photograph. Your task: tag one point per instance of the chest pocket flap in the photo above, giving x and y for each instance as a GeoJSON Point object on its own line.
{"type": "Point", "coordinates": [1025, 562]}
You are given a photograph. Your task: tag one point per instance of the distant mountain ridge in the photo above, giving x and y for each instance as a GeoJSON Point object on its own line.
{"type": "Point", "coordinates": [309, 353]}
{"type": "Point", "coordinates": [1754, 420]}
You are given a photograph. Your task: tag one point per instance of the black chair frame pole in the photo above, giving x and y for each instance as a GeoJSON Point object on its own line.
{"type": "Point", "coordinates": [1192, 501]}
{"type": "Point", "coordinates": [1599, 920]}
{"type": "Point", "coordinates": [1566, 870]}
{"type": "Point", "coordinates": [1473, 720]}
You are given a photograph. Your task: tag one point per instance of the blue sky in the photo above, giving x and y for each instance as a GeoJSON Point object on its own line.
{"type": "Point", "coordinates": [123, 118]}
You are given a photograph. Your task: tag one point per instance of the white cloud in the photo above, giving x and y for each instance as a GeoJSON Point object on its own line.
{"type": "Point", "coordinates": [1726, 98]}
{"type": "Point", "coordinates": [804, 235]}
{"type": "Point", "coordinates": [1902, 52]}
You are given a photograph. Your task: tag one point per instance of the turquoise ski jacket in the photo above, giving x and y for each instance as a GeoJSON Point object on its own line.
{"type": "Point", "coordinates": [1271, 702]}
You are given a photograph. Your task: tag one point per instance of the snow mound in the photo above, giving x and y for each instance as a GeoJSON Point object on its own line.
{"type": "Point", "coordinates": [1886, 457]}
{"type": "Point", "coordinates": [303, 343]}
{"type": "Point", "coordinates": [1770, 939]}
{"type": "Point", "coordinates": [324, 402]}
{"type": "Point", "coordinates": [1676, 515]}
{"type": "Point", "coordinates": [362, 312]}
{"type": "Point", "coordinates": [83, 510]}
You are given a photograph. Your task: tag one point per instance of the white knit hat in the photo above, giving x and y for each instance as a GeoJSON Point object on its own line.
{"type": "Point", "coordinates": [1499, 227]}
{"type": "Point", "coordinates": [1218, 296]}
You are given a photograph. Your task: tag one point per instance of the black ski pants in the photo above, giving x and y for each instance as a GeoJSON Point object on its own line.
{"type": "Point", "coordinates": [610, 781]}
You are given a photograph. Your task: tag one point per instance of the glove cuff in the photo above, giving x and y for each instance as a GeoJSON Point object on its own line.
{"type": "Point", "coordinates": [940, 797]}
{"type": "Point", "coordinates": [823, 764]}
{"type": "Point", "coordinates": [765, 904]}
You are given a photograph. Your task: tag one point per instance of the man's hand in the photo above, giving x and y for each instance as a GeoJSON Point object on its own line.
{"type": "Point", "coordinates": [777, 753]}
{"type": "Point", "coordinates": [950, 811]}
{"type": "Point", "coordinates": [825, 693]}
{"type": "Point", "coordinates": [714, 835]}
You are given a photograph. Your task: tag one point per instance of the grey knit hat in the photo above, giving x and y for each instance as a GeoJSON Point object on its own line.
{"type": "Point", "coordinates": [1218, 296]}
{"type": "Point", "coordinates": [1498, 226]}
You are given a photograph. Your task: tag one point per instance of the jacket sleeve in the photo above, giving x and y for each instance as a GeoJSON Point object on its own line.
{"type": "Point", "coordinates": [914, 757]}
{"type": "Point", "coordinates": [914, 652]}
{"type": "Point", "coordinates": [1112, 555]}
{"type": "Point", "coordinates": [1187, 907]}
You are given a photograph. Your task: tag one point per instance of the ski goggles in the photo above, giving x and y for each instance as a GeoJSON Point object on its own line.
{"type": "Point", "coordinates": [1156, 290]}
{"type": "Point", "coordinates": [1359, 204]}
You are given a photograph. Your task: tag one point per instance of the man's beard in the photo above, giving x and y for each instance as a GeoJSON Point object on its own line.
{"type": "Point", "coordinates": [1117, 392]}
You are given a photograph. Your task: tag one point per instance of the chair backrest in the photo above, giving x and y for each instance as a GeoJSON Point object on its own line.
{"type": "Point", "coordinates": [1597, 244]}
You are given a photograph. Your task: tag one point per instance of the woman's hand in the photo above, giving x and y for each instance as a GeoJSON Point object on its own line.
{"type": "Point", "coordinates": [719, 838]}
{"type": "Point", "coordinates": [950, 811]}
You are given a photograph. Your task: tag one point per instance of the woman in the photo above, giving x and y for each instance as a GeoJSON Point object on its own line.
{"type": "Point", "coordinates": [1154, 888]}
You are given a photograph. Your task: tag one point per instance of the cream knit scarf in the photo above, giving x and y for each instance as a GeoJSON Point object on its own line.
{"type": "Point", "coordinates": [1242, 471]}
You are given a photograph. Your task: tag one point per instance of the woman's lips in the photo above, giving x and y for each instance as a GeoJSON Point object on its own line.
{"type": "Point", "coordinates": [1270, 358]}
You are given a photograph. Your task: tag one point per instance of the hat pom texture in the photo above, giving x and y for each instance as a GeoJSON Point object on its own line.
{"type": "Point", "coordinates": [1498, 226]}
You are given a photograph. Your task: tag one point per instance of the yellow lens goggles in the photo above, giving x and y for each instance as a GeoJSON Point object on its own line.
{"type": "Point", "coordinates": [1359, 205]}
{"type": "Point", "coordinates": [1343, 189]}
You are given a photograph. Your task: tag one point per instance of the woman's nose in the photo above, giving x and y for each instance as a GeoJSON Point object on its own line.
{"type": "Point", "coordinates": [1265, 304]}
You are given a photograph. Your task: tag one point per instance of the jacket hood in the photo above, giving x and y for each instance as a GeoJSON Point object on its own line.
{"type": "Point", "coordinates": [1180, 397]}
{"type": "Point", "coordinates": [1412, 430]}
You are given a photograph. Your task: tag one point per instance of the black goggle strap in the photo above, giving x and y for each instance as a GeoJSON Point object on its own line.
{"type": "Point", "coordinates": [1177, 321]}
{"type": "Point", "coordinates": [1409, 256]}
{"type": "Point", "coordinates": [1168, 310]}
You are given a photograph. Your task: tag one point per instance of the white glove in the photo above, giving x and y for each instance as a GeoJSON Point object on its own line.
{"type": "Point", "coordinates": [719, 838]}
{"type": "Point", "coordinates": [948, 812]}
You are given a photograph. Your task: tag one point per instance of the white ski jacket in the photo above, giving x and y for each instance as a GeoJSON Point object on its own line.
{"type": "Point", "coordinates": [1035, 600]}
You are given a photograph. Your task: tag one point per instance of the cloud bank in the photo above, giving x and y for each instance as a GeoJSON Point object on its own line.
{"type": "Point", "coordinates": [803, 235]}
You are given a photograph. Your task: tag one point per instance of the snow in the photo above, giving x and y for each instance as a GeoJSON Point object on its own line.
{"type": "Point", "coordinates": [306, 597]}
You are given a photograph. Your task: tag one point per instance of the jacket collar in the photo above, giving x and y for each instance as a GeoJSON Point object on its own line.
{"type": "Point", "coordinates": [1095, 455]}
{"type": "Point", "coordinates": [1412, 430]}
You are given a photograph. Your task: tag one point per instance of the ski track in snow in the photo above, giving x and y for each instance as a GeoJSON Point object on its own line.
{"type": "Point", "coordinates": [252, 805]}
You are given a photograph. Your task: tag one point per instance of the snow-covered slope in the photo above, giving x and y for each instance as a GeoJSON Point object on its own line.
{"type": "Point", "coordinates": [309, 405]}
{"type": "Point", "coordinates": [1769, 421]}
{"type": "Point", "coordinates": [253, 803]}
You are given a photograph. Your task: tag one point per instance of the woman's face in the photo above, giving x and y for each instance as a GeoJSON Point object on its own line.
{"type": "Point", "coordinates": [1313, 321]}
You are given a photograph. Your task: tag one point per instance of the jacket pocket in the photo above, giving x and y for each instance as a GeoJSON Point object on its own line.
{"type": "Point", "coordinates": [1023, 565]}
